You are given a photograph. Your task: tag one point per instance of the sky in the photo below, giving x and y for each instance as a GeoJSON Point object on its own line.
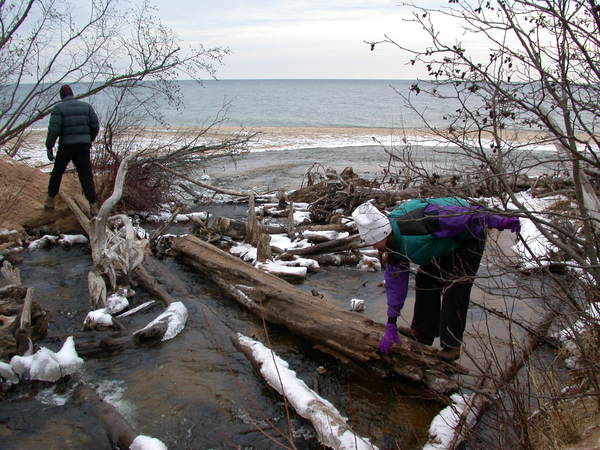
{"type": "Point", "coordinates": [299, 38]}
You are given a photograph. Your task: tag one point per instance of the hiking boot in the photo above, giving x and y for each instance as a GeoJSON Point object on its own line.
{"type": "Point", "coordinates": [449, 354]}
{"type": "Point", "coordinates": [93, 209]}
{"type": "Point", "coordinates": [415, 335]}
{"type": "Point", "coordinates": [49, 203]}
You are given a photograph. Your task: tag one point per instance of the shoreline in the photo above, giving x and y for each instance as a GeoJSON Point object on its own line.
{"type": "Point", "coordinates": [293, 138]}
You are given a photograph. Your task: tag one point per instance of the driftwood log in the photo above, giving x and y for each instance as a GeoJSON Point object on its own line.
{"type": "Point", "coordinates": [119, 432]}
{"type": "Point", "coordinates": [344, 334]}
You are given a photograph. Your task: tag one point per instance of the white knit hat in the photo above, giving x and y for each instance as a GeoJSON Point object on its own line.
{"type": "Point", "coordinates": [372, 224]}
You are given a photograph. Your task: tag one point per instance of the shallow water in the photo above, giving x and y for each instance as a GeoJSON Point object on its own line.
{"type": "Point", "coordinates": [198, 391]}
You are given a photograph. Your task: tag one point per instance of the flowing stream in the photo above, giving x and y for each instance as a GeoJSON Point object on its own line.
{"type": "Point", "coordinates": [197, 391]}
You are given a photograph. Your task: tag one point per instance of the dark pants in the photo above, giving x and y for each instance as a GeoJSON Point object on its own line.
{"type": "Point", "coordinates": [443, 291]}
{"type": "Point", "coordinates": [80, 155]}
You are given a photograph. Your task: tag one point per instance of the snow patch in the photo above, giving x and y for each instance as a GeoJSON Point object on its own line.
{"type": "Point", "coordinates": [442, 428]}
{"type": "Point", "coordinates": [45, 365]}
{"type": "Point", "coordinates": [331, 426]}
{"type": "Point", "coordinates": [99, 317]}
{"type": "Point", "coordinates": [175, 315]}
{"type": "Point", "coordinates": [116, 303]}
{"type": "Point", "coordinates": [142, 442]}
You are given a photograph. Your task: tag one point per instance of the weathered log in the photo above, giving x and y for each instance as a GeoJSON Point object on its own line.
{"type": "Point", "coordinates": [349, 334]}
{"type": "Point", "coordinates": [149, 283]}
{"type": "Point", "coordinates": [96, 347]}
{"type": "Point", "coordinates": [23, 334]}
{"type": "Point", "coordinates": [253, 227]}
{"type": "Point", "coordinates": [231, 227]}
{"type": "Point", "coordinates": [263, 247]}
{"type": "Point", "coordinates": [331, 427]}
{"type": "Point", "coordinates": [337, 259]}
{"type": "Point", "coordinates": [336, 245]}
{"type": "Point", "coordinates": [12, 291]}
{"type": "Point", "coordinates": [118, 430]}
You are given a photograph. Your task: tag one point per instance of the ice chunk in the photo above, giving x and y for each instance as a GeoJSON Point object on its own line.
{"type": "Point", "coordinates": [175, 315]}
{"type": "Point", "coordinates": [45, 365]}
{"type": "Point", "coordinates": [356, 304]}
{"type": "Point", "coordinates": [68, 240]}
{"type": "Point", "coordinates": [98, 317]}
{"type": "Point", "coordinates": [142, 442]}
{"type": "Point", "coordinates": [68, 359]}
{"type": "Point", "coordinates": [116, 303]}
{"type": "Point", "coordinates": [7, 373]}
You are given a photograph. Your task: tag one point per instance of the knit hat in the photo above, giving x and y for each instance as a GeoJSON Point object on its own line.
{"type": "Point", "coordinates": [65, 91]}
{"type": "Point", "coordinates": [373, 225]}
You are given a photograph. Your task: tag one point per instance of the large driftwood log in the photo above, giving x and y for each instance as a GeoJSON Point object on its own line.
{"type": "Point", "coordinates": [118, 430]}
{"type": "Point", "coordinates": [336, 245]}
{"type": "Point", "coordinates": [343, 333]}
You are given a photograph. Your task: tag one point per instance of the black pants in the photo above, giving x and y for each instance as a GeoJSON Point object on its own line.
{"type": "Point", "coordinates": [80, 155]}
{"type": "Point", "coordinates": [443, 292]}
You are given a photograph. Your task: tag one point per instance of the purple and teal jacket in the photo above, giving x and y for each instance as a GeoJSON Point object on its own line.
{"type": "Point", "coordinates": [424, 229]}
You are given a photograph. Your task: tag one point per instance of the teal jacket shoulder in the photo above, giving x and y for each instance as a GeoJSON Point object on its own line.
{"type": "Point", "coordinates": [421, 248]}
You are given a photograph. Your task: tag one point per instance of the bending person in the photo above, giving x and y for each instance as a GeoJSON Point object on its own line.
{"type": "Point", "coordinates": [446, 238]}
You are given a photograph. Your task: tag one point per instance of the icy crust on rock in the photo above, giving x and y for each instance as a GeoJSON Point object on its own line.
{"type": "Point", "coordinates": [45, 365]}
{"type": "Point", "coordinates": [442, 428]}
{"type": "Point", "coordinates": [116, 303]}
{"type": "Point", "coordinates": [142, 442]}
{"type": "Point", "coordinates": [276, 268]}
{"type": "Point", "coordinates": [331, 426]}
{"type": "Point", "coordinates": [98, 317]}
{"type": "Point", "coordinates": [175, 315]}
{"type": "Point", "coordinates": [7, 373]}
{"type": "Point", "coordinates": [65, 240]}
{"type": "Point", "coordinates": [329, 235]}
{"type": "Point", "coordinates": [369, 264]}
{"type": "Point", "coordinates": [357, 304]}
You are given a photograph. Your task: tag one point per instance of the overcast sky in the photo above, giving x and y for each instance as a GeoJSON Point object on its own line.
{"type": "Point", "coordinates": [298, 38]}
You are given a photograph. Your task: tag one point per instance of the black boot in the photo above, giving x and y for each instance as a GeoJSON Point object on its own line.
{"type": "Point", "coordinates": [449, 354]}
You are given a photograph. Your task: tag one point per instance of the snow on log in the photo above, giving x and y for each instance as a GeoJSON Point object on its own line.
{"type": "Point", "coordinates": [68, 240]}
{"type": "Point", "coordinates": [442, 431]}
{"type": "Point", "coordinates": [99, 318]}
{"type": "Point", "coordinates": [331, 426]}
{"type": "Point", "coordinates": [175, 317]}
{"type": "Point", "coordinates": [44, 242]}
{"type": "Point", "coordinates": [357, 304]}
{"type": "Point", "coordinates": [142, 442]}
{"type": "Point", "coordinates": [45, 365]}
{"type": "Point", "coordinates": [288, 273]}
{"type": "Point", "coordinates": [116, 303]}
{"type": "Point", "coordinates": [369, 264]}
{"type": "Point", "coordinates": [118, 431]}
{"type": "Point", "coordinates": [8, 374]}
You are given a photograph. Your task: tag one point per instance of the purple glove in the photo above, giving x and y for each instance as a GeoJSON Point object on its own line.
{"type": "Point", "coordinates": [510, 223]}
{"type": "Point", "coordinates": [389, 338]}
{"type": "Point", "coordinates": [503, 223]}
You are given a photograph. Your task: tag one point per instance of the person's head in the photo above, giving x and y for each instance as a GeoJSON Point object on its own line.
{"type": "Point", "coordinates": [373, 226]}
{"type": "Point", "coordinates": [65, 91]}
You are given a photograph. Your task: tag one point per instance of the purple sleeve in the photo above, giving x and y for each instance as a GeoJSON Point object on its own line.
{"type": "Point", "coordinates": [396, 286]}
{"type": "Point", "coordinates": [454, 220]}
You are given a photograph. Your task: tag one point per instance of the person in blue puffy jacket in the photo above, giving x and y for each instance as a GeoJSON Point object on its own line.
{"type": "Point", "coordinates": [445, 237]}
